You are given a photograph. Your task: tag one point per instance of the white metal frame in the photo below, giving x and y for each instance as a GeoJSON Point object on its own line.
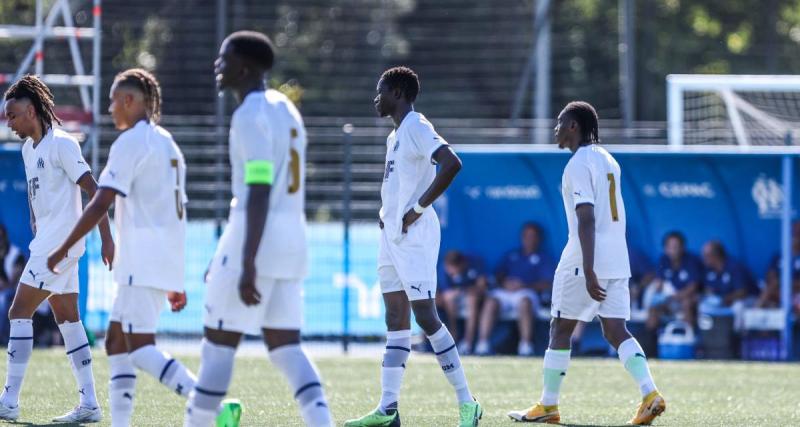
{"type": "Point", "coordinates": [46, 29]}
{"type": "Point", "coordinates": [677, 84]}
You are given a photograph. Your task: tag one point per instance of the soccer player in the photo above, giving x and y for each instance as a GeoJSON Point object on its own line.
{"type": "Point", "coordinates": [56, 172]}
{"type": "Point", "coordinates": [255, 279]}
{"type": "Point", "coordinates": [592, 277]}
{"type": "Point", "coordinates": [409, 246]}
{"type": "Point", "coordinates": [145, 178]}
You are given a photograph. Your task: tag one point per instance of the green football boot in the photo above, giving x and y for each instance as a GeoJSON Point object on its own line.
{"type": "Point", "coordinates": [230, 414]}
{"type": "Point", "coordinates": [469, 414]}
{"type": "Point", "coordinates": [376, 419]}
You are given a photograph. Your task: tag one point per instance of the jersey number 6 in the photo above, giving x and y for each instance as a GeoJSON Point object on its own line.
{"type": "Point", "coordinates": [178, 198]}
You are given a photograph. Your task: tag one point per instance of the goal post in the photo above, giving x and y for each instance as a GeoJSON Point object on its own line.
{"type": "Point", "coordinates": [740, 110]}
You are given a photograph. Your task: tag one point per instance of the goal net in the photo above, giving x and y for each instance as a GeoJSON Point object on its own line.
{"type": "Point", "coordinates": [733, 109]}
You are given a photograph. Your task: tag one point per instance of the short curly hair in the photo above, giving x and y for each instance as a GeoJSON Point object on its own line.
{"type": "Point", "coordinates": [402, 78]}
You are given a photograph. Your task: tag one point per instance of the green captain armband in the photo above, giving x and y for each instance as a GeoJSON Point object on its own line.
{"type": "Point", "coordinates": [259, 172]}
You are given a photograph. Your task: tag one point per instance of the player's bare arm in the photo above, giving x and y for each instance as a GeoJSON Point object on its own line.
{"type": "Point", "coordinates": [95, 212]}
{"type": "Point", "coordinates": [89, 186]}
{"type": "Point", "coordinates": [449, 166]}
{"type": "Point", "coordinates": [585, 213]}
{"type": "Point", "coordinates": [257, 208]}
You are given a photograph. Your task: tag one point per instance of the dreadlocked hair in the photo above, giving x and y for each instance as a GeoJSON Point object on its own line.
{"type": "Point", "coordinates": [586, 116]}
{"type": "Point", "coordinates": [146, 83]}
{"type": "Point", "coordinates": [33, 88]}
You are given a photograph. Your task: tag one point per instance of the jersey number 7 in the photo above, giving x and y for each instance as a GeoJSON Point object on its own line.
{"type": "Point", "coordinates": [612, 196]}
{"type": "Point", "coordinates": [178, 201]}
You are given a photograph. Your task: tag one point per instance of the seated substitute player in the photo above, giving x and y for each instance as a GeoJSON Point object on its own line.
{"type": "Point", "coordinates": [462, 285]}
{"type": "Point", "coordinates": [525, 276]}
{"type": "Point", "coordinates": [255, 279]}
{"type": "Point", "coordinates": [56, 172]}
{"type": "Point", "coordinates": [726, 282]}
{"type": "Point", "coordinates": [145, 179]}
{"type": "Point", "coordinates": [676, 289]}
{"type": "Point", "coordinates": [770, 296]}
{"type": "Point", "coordinates": [592, 276]}
{"type": "Point", "coordinates": [409, 246]}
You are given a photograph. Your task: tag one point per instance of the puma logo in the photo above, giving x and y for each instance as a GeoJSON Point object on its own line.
{"type": "Point", "coordinates": [32, 274]}
{"type": "Point", "coordinates": [179, 389]}
{"type": "Point", "coordinates": [416, 288]}
{"type": "Point", "coordinates": [321, 404]}
{"type": "Point", "coordinates": [82, 391]}
{"type": "Point", "coordinates": [11, 353]}
{"type": "Point", "coordinates": [127, 395]}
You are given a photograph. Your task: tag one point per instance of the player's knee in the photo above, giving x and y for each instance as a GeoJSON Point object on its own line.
{"type": "Point", "coordinates": [396, 319]}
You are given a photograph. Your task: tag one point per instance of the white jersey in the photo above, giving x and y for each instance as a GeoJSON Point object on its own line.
{"type": "Point", "coordinates": [53, 169]}
{"type": "Point", "coordinates": [147, 170]}
{"type": "Point", "coordinates": [268, 127]}
{"type": "Point", "coordinates": [593, 176]}
{"type": "Point", "coordinates": [409, 170]}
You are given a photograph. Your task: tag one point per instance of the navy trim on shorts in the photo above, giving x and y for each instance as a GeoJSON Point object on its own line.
{"type": "Point", "coordinates": [445, 350]}
{"type": "Point", "coordinates": [77, 348]}
{"type": "Point", "coordinates": [306, 387]}
{"type": "Point", "coordinates": [576, 271]}
{"type": "Point", "coordinates": [164, 371]}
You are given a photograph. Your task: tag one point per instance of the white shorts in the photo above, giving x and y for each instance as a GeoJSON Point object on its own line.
{"type": "Point", "coordinates": [511, 300]}
{"type": "Point", "coordinates": [410, 265]}
{"type": "Point", "coordinates": [571, 300]}
{"type": "Point", "coordinates": [281, 305]}
{"type": "Point", "coordinates": [37, 275]}
{"type": "Point", "coordinates": [137, 308]}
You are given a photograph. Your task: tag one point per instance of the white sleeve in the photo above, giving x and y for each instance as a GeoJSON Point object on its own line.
{"type": "Point", "coordinates": [122, 165]}
{"type": "Point", "coordinates": [425, 140]}
{"type": "Point", "coordinates": [254, 136]}
{"type": "Point", "coordinates": [71, 159]}
{"type": "Point", "coordinates": [580, 179]}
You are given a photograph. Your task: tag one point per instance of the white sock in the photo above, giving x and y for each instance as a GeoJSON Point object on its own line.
{"type": "Point", "coordinates": [447, 354]}
{"type": "Point", "coordinates": [121, 389]}
{"type": "Point", "coordinates": [165, 369]}
{"type": "Point", "coordinates": [77, 345]}
{"type": "Point", "coordinates": [214, 378]}
{"type": "Point", "coordinates": [395, 356]}
{"type": "Point", "coordinates": [635, 362]}
{"type": "Point", "coordinates": [20, 347]}
{"type": "Point", "coordinates": [556, 363]}
{"type": "Point", "coordinates": [293, 362]}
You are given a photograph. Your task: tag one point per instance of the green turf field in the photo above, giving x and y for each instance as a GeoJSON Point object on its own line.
{"type": "Point", "coordinates": [595, 392]}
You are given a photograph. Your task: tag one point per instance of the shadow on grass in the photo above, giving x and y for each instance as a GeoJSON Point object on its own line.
{"type": "Point", "coordinates": [25, 423]}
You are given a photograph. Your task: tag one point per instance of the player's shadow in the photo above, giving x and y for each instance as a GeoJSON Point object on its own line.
{"type": "Point", "coordinates": [594, 425]}
{"type": "Point", "coordinates": [25, 423]}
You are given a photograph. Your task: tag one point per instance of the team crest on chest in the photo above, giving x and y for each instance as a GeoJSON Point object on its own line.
{"type": "Point", "coordinates": [40, 163]}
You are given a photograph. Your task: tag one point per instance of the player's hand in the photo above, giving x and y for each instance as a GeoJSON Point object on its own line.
{"type": "Point", "coordinates": [593, 287]}
{"type": "Point", "coordinates": [409, 218]}
{"type": "Point", "coordinates": [247, 285]}
{"type": "Point", "coordinates": [55, 257]}
{"type": "Point", "coordinates": [177, 300]}
{"type": "Point", "coordinates": [107, 252]}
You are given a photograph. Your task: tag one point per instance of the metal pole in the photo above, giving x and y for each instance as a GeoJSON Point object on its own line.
{"type": "Point", "coordinates": [627, 65]}
{"type": "Point", "coordinates": [219, 120]}
{"type": "Point", "coordinates": [39, 40]}
{"type": "Point", "coordinates": [541, 106]}
{"type": "Point", "coordinates": [786, 252]}
{"type": "Point", "coordinates": [348, 141]}
{"type": "Point", "coordinates": [75, 51]}
{"type": "Point", "coordinates": [96, 70]}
